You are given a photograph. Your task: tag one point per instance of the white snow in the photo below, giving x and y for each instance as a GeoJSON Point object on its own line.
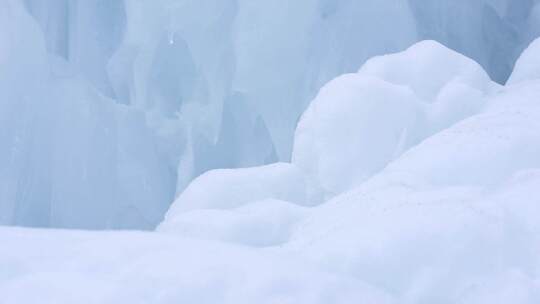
{"type": "Point", "coordinates": [370, 118]}
{"type": "Point", "coordinates": [452, 219]}
{"type": "Point", "coordinates": [230, 188]}
{"type": "Point", "coordinates": [269, 222]}
{"type": "Point", "coordinates": [355, 120]}
{"type": "Point", "coordinates": [414, 180]}
{"type": "Point", "coordinates": [431, 244]}
{"type": "Point", "coordinates": [485, 148]}
{"type": "Point", "coordinates": [61, 267]}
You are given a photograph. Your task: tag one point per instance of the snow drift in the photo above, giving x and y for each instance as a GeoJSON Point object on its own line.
{"type": "Point", "coordinates": [449, 218]}
{"type": "Point", "coordinates": [414, 180]}
{"type": "Point", "coordinates": [174, 88]}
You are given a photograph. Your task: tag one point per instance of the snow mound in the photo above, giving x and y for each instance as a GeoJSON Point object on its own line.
{"type": "Point", "coordinates": [452, 219]}
{"type": "Point", "coordinates": [355, 120]}
{"type": "Point", "coordinates": [453, 85]}
{"type": "Point", "coordinates": [230, 188]}
{"type": "Point", "coordinates": [427, 67]}
{"type": "Point", "coordinates": [483, 149]}
{"type": "Point", "coordinates": [264, 223]}
{"type": "Point", "coordinates": [370, 118]}
{"type": "Point", "coordinates": [430, 244]}
{"type": "Point", "coordinates": [400, 237]}
{"type": "Point", "coordinates": [528, 65]}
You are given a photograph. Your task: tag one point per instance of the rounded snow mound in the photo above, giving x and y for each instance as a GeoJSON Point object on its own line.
{"type": "Point", "coordinates": [356, 120]}
{"type": "Point", "coordinates": [264, 223]}
{"type": "Point", "coordinates": [454, 218]}
{"type": "Point", "coordinates": [451, 85]}
{"type": "Point", "coordinates": [427, 67]}
{"type": "Point", "coordinates": [232, 188]}
{"type": "Point", "coordinates": [485, 148]}
{"type": "Point", "coordinates": [528, 65]}
{"type": "Point", "coordinates": [395, 101]}
{"type": "Point", "coordinates": [115, 267]}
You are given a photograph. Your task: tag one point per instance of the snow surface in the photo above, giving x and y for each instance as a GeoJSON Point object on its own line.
{"type": "Point", "coordinates": [269, 222]}
{"type": "Point", "coordinates": [370, 118]}
{"type": "Point", "coordinates": [452, 218]}
{"type": "Point", "coordinates": [229, 188]}
{"type": "Point", "coordinates": [414, 180]}
{"type": "Point", "coordinates": [194, 85]}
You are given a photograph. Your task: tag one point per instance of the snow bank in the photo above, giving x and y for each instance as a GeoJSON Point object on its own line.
{"type": "Point", "coordinates": [483, 149]}
{"type": "Point", "coordinates": [404, 238]}
{"type": "Point", "coordinates": [452, 219]}
{"type": "Point", "coordinates": [453, 86]}
{"type": "Point", "coordinates": [264, 223]}
{"type": "Point", "coordinates": [426, 68]}
{"type": "Point", "coordinates": [392, 103]}
{"type": "Point", "coordinates": [61, 267]}
{"type": "Point", "coordinates": [430, 244]}
{"type": "Point", "coordinates": [230, 188]}
{"type": "Point", "coordinates": [355, 120]}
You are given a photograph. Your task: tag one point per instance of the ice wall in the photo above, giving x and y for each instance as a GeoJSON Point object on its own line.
{"type": "Point", "coordinates": [70, 156]}
{"type": "Point", "coordinates": [185, 86]}
{"type": "Point", "coordinates": [85, 33]}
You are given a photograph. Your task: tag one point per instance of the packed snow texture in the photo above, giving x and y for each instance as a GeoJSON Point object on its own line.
{"type": "Point", "coordinates": [449, 214]}
{"type": "Point", "coordinates": [370, 118]}
{"type": "Point", "coordinates": [414, 177]}
{"type": "Point", "coordinates": [236, 187]}
{"type": "Point", "coordinates": [110, 108]}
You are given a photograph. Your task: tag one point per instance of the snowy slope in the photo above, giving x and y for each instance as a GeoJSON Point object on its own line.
{"type": "Point", "coordinates": [137, 267]}
{"type": "Point", "coordinates": [414, 180]}
{"type": "Point", "coordinates": [452, 218]}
